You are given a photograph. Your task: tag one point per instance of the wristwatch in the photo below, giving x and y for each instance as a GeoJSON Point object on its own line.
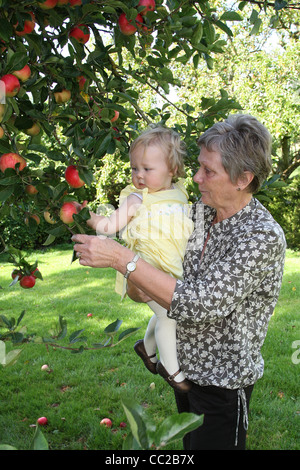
{"type": "Point", "coordinates": [131, 266]}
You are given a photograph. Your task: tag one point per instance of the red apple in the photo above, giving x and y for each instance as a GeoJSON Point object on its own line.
{"type": "Point", "coordinates": [23, 74]}
{"type": "Point", "coordinates": [74, 3]}
{"type": "Point", "coordinates": [148, 4]}
{"type": "Point", "coordinates": [45, 367]}
{"type": "Point", "coordinates": [62, 96]}
{"type": "Point", "coordinates": [89, 315]}
{"type": "Point", "coordinates": [27, 282]}
{"type": "Point", "coordinates": [15, 273]}
{"type": "Point", "coordinates": [1, 132]}
{"type": "Point", "coordinates": [66, 212]}
{"type": "Point", "coordinates": [9, 160]}
{"type": "Point", "coordinates": [81, 81]}
{"type": "Point", "coordinates": [123, 425]}
{"type": "Point", "coordinates": [116, 116]}
{"type": "Point", "coordinates": [30, 189]}
{"type": "Point", "coordinates": [12, 85]}
{"type": "Point", "coordinates": [47, 4]}
{"type": "Point", "coordinates": [28, 26]}
{"type": "Point", "coordinates": [43, 421]}
{"type": "Point", "coordinates": [73, 178]}
{"type": "Point", "coordinates": [106, 422]}
{"type": "Point", "coordinates": [81, 33]}
{"type": "Point", "coordinates": [32, 216]}
{"type": "Point", "coordinates": [129, 27]}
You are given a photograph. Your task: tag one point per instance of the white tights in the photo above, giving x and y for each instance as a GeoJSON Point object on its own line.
{"type": "Point", "coordinates": [161, 335]}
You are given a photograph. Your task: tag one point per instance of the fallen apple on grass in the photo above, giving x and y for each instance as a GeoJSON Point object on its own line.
{"type": "Point", "coordinates": [42, 421]}
{"type": "Point", "coordinates": [106, 422]}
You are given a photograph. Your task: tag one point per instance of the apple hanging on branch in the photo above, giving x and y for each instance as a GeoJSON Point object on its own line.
{"type": "Point", "coordinates": [80, 33]}
{"type": "Point", "coordinates": [24, 272]}
{"type": "Point", "coordinates": [129, 27]}
{"type": "Point", "coordinates": [10, 160]}
{"type": "Point", "coordinates": [11, 84]}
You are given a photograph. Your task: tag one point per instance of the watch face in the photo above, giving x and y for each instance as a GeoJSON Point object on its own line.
{"type": "Point", "coordinates": [131, 266]}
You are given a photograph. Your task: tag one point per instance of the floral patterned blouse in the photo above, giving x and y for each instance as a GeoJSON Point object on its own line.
{"type": "Point", "coordinates": [223, 305]}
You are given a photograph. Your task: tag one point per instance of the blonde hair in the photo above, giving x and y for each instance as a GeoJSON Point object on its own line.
{"type": "Point", "coordinates": [170, 142]}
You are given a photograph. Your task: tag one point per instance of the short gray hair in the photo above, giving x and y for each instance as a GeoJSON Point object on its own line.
{"type": "Point", "coordinates": [244, 145]}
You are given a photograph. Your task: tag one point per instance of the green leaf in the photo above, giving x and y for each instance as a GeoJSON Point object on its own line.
{"type": "Point", "coordinates": [39, 441]}
{"type": "Point", "coordinates": [17, 61]}
{"type": "Point", "coordinates": [20, 317]}
{"type": "Point", "coordinates": [74, 337]}
{"type": "Point", "coordinates": [126, 333]}
{"type": "Point", "coordinates": [50, 239]}
{"type": "Point", "coordinates": [138, 427]}
{"type": "Point", "coordinates": [112, 328]}
{"type": "Point", "coordinates": [63, 327]}
{"type": "Point", "coordinates": [6, 30]}
{"type": "Point", "coordinates": [6, 193]}
{"type": "Point", "coordinates": [176, 426]}
{"type": "Point", "coordinates": [256, 27]}
{"type": "Point", "coordinates": [231, 16]}
{"type": "Point", "coordinates": [7, 447]}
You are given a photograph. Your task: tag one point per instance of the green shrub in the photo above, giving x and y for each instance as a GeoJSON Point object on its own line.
{"type": "Point", "coordinates": [285, 208]}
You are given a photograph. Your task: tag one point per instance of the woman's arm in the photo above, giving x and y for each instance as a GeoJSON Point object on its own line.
{"type": "Point", "coordinates": [107, 253]}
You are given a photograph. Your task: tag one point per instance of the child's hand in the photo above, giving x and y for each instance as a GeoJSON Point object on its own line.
{"type": "Point", "coordinates": [79, 206]}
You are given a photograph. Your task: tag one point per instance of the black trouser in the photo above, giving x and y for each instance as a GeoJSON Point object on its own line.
{"type": "Point", "coordinates": [223, 426]}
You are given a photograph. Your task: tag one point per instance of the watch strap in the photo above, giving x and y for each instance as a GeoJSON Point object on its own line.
{"type": "Point", "coordinates": [133, 261]}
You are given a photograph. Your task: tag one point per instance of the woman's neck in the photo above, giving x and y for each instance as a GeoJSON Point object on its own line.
{"type": "Point", "coordinates": [226, 212]}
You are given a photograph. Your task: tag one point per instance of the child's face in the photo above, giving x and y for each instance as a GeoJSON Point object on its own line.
{"type": "Point", "coordinates": [149, 168]}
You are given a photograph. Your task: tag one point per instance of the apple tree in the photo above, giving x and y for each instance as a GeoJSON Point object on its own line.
{"type": "Point", "coordinates": [72, 75]}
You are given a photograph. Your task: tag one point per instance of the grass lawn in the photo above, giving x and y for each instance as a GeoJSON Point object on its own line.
{"type": "Point", "coordinates": [84, 388]}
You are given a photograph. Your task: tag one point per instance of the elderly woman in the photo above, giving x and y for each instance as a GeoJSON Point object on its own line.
{"type": "Point", "coordinates": [232, 276]}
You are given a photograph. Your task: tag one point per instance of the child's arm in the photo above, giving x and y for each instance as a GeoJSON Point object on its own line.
{"type": "Point", "coordinates": [118, 219]}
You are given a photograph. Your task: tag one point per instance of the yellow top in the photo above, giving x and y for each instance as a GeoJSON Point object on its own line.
{"type": "Point", "coordinates": [160, 229]}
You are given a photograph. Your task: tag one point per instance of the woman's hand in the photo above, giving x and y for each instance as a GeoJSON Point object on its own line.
{"type": "Point", "coordinates": [95, 251]}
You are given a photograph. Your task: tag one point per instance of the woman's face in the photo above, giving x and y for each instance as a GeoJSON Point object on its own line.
{"type": "Point", "coordinates": [214, 183]}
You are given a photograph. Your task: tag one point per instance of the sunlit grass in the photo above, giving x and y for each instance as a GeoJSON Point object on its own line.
{"type": "Point", "coordinates": [84, 388]}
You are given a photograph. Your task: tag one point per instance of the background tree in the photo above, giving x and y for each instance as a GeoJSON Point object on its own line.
{"type": "Point", "coordinates": [80, 79]}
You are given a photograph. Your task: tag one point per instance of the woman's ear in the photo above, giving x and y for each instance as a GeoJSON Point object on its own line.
{"type": "Point", "coordinates": [245, 179]}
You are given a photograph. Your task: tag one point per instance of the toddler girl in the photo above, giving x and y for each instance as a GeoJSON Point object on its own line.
{"type": "Point", "coordinates": [153, 219]}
